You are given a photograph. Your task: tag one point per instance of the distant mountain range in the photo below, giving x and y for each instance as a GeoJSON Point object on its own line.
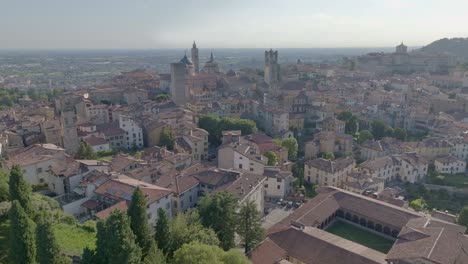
{"type": "Point", "coordinates": [455, 46]}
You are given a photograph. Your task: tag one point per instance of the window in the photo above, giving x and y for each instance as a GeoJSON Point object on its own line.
{"type": "Point", "coordinates": [240, 166]}
{"type": "Point", "coordinates": [149, 216]}
{"type": "Point", "coordinates": [266, 185]}
{"type": "Point", "coordinates": [168, 205]}
{"type": "Point", "coordinates": [39, 170]}
{"type": "Point", "coordinates": [278, 187]}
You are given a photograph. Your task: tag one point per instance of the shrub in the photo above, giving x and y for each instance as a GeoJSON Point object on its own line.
{"type": "Point", "coordinates": [417, 204]}
{"type": "Point", "coordinates": [4, 209]}
{"type": "Point", "coordinates": [89, 226]}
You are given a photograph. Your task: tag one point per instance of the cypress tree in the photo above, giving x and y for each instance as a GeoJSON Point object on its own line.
{"type": "Point", "coordinates": [121, 246]}
{"type": "Point", "coordinates": [162, 235]}
{"type": "Point", "coordinates": [102, 250]}
{"type": "Point", "coordinates": [249, 225]}
{"type": "Point", "coordinates": [48, 251]}
{"type": "Point", "coordinates": [22, 239]}
{"type": "Point", "coordinates": [218, 212]}
{"type": "Point", "coordinates": [20, 190]}
{"type": "Point", "coordinates": [138, 220]}
{"type": "Point", "coordinates": [88, 256]}
{"type": "Point", "coordinates": [154, 255]}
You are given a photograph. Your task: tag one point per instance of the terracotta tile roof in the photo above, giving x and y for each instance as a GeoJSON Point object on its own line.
{"type": "Point", "coordinates": [122, 188]}
{"type": "Point", "coordinates": [268, 252]}
{"type": "Point", "coordinates": [68, 167]}
{"type": "Point", "coordinates": [330, 166]}
{"type": "Point", "coordinates": [120, 162]}
{"type": "Point", "coordinates": [243, 185]}
{"type": "Point", "coordinates": [313, 245]}
{"type": "Point", "coordinates": [34, 154]}
{"type": "Point", "coordinates": [121, 206]}
{"type": "Point", "coordinates": [91, 204]}
{"type": "Point", "coordinates": [95, 141]}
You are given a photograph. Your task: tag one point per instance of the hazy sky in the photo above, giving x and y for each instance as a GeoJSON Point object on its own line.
{"type": "Point", "coordinates": [137, 24]}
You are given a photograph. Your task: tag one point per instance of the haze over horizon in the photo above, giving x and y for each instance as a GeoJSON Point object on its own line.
{"type": "Point", "coordinates": [119, 24]}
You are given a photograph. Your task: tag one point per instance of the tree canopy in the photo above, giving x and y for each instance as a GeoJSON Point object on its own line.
{"type": "Point", "coordinates": [217, 211]}
{"type": "Point", "coordinates": [351, 120]}
{"type": "Point", "coordinates": [364, 135]}
{"type": "Point", "coordinates": [249, 225]}
{"type": "Point", "coordinates": [48, 251]}
{"type": "Point", "coordinates": [22, 236]}
{"type": "Point", "coordinates": [85, 151]}
{"type": "Point", "coordinates": [291, 144]}
{"type": "Point", "coordinates": [4, 186]}
{"type": "Point", "coordinates": [139, 221]}
{"type": "Point", "coordinates": [272, 158]}
{"type": "Point", "coordinates": [167, 138]}
{"type": "Point", "coordinates": [116, 241]}
{"type": "Point", "coordinates": [215, 125]}
{"type": "Point", "coordinates": [20, 190]}
{"type": "Point", "coordinates": [378, 129]}
{"type": "Point", "coordinates": [186, 228]}
{"type": "Point", "coordinates": [463, 217]}
{"type": "Point", "coordinates": [162, 234]}
{"type": "Point", "coordinates": [200, 253]}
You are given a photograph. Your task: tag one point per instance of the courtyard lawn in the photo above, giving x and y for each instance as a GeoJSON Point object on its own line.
{"type": "Point", "coordinates": [361, 236]}
{"type": "Point", "coordinates": [73, 238]}
{"type": "Point", "coordinates": [459, 180]}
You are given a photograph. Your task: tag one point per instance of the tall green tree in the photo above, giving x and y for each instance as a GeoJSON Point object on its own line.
{"type": "Point", "coordinates": [198, 253]}
{"type": "Point", "coordinates": [364, 135]}
{"type": "Point", "coordinates": [154, 255]}
{"type": "Point", "coordinates": [20, 190]}
{"type": "Point", "coordinates": [352, 125]}
{"type": "Point", "coordinates": [167, 138]}
{"type": "Point", "coordinates": [88, 256]}
{"type": "Point", "coordinates": [344, 115]}
{"type": "Point", "coordinates": [400, 134]}
{"type": "Point", "coordinates": [272, 158]}
{"type": "Point", "coordinates": [4, 186]}
{"type": "Point", "coordinates": [186, 228]}
{"type": "Point", "coordinates": [463, 217]}
{"type": "Point", "coordinates": [292, 146]}
{"type": "Point", "coordinates": [195, 252]}
{"type": "Point", "coordinates": [22, 236]}
{"type": "Point", "coordinates": [210, 123]}
{"type": "Point", "coordinates": [161, 234]}
{"type": "Point", "coordinates": [116, 241]}
{"type": "Point", "coordinates": [249, 225]}
{"type": "Point", "coordinates": [217, 211]}
{"type": "Point", "coordinates": [378, 129]}
{"type": "Point", "coordinates": [85, 151]}
{"type": "Point", "coordinates": [327, 155]}
{"type": "Point", "coordinates": [48, 251]}
{"type": "Point", "coordinates": [139, 221]}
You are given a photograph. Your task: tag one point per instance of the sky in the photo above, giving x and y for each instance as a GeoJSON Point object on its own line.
{"type": "Point", "coordinates": [155, 24]}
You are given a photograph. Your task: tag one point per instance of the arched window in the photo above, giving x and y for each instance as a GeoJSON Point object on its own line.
{"type": "Point", "coordinates": [370, 224]}
{"type": "Point", "coordinates": [395, 233]}
{"type": "Point", "coordinates": [378, 227]}
{"type": "Point", "coordinates": [386, 230]}
{"type": "Point", "coordinates": [356, 219]}
{"type": "Point", "coordinates": [348, 216]}
{"type": "Point", "coordinates": [362, 222]}
{"type": "Point", "coordinates": [340, 213]}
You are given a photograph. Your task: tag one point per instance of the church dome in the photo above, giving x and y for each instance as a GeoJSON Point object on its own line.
{"type": "Point", "coordinates": [185, 60]}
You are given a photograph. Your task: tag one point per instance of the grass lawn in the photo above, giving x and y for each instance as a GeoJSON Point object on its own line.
{"type": "Point", "coordinates": [361, 236]}
{"type": "Point", "coordinates": [4, 243]}
{"type": "Point", "coordinates": [73, 239]}
{"type": "Point", "coordinates": [459, 180]}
